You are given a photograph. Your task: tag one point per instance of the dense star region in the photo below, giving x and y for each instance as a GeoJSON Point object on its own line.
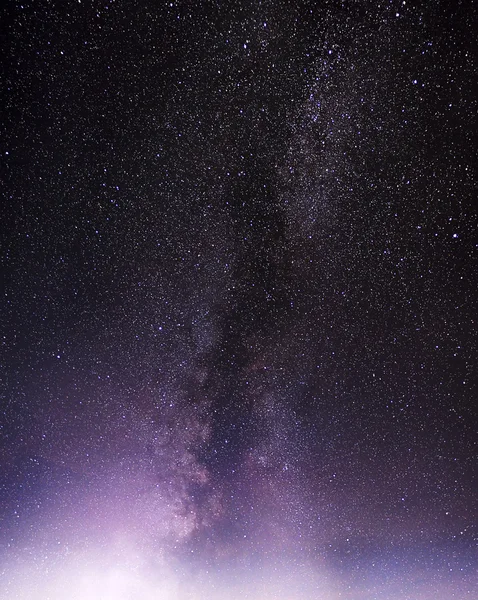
{"type": "Point", "coordinates": [238, 323]}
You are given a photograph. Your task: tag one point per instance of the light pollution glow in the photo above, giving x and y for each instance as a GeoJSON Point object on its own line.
{"type": "Point", "coordinates": [126, 574]}
{"type": "Point", "coordinates": [131, 573]}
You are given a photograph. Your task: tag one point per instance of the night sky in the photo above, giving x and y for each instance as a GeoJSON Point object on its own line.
{"type": "Point", "coordinates": [239, 254]}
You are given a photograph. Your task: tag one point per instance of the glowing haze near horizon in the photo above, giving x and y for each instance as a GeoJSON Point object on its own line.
{"type": "Point", "coordinates": [239, 347]}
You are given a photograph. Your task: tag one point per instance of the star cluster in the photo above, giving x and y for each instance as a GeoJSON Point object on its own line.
{"type": "Point", "coordinates": [239, 344]}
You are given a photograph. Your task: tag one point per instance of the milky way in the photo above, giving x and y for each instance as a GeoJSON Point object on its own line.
{"type": "Point", "coordinates": [239, 253]}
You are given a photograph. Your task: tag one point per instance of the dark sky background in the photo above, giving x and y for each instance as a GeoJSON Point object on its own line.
{"type": "Point", "coordinates": [238, 322]}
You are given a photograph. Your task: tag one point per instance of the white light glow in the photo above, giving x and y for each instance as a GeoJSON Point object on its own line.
{"type": "Point", "coordinates": [106, 575]}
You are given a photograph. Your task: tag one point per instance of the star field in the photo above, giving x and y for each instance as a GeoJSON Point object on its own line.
{"type": "Point", "coordinates": [238, 323]}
